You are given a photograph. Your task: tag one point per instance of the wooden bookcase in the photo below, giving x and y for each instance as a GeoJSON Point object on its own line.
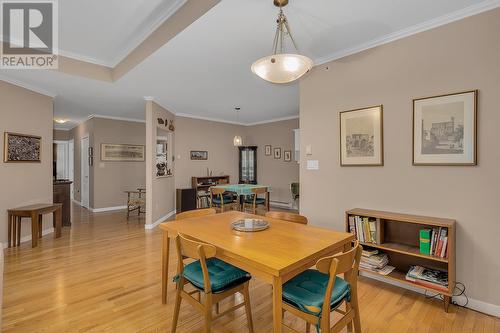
{"type": "Point", "coordinates": [202, 186]}
{"type": "Point", "coordinates": [398, 237]}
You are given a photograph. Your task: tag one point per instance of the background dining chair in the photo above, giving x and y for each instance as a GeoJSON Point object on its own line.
{"type": "Point", "coordinates": [214, 278]}
{"type": "Point", "coordinates": [195, 213]}
{"type": "Point", "coordinates": [218, 199]}
{"type": "Point", "coordinates": [254, 200]}
{"type": "Point", "coordinates": [313, 294]}
{"type": "Point", "coordinates": [291, 217]}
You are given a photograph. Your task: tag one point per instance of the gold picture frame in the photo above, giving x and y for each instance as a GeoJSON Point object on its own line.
{"type": "Point", "coordinates": [111, 152]}
{"type": "Point", "coordinates": [362, 136]}
{"type": "Point", "coordinates": [445, 129]}
{"type": "Point", "coordinates": [22, 148]}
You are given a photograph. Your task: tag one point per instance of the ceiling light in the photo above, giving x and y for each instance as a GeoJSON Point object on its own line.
{"type": "Point", "coordinates": [60, 121]}
{"type": "Point", "coordinates": [237, 140]}
{"type": "Point", "coordinates": [282, 67]}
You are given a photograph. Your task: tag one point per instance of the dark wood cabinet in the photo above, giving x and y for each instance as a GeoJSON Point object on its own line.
{"type": "Point", "coordinates": [185, 199]}
{"type": "Point", "coordinates": [62, 196]}
{"type": "Point", "coordinates": [248, 165]}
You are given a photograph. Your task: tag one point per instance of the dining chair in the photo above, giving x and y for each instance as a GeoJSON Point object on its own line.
{"type": "Point", "coordinates": [195, 213]}
{"type": "Point", "coordinates": [213, 278]}
{"type": "Point", "coordinates": [315, 293]}
{"type": "Point", "coordinates": [219, 200]}
{"type": "Point", "coordinates": [290, 217]}
{"type": "Point", "coordinates": [254, 200]}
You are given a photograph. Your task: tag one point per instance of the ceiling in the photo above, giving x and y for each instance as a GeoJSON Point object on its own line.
{"type": "Point", "coordinates": [205, 70]}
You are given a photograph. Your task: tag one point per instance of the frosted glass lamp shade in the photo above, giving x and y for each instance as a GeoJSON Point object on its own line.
{"type": "Point", "coordinates": [237, 141]}
{"type": "Point", "coordinates": [282, 68]}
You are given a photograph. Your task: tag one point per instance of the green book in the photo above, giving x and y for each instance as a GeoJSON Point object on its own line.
{"type": "Point", "coordinates": [425, 241]}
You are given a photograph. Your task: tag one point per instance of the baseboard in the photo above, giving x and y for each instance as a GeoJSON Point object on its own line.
{"type": "Point", "coordinates": [279, 204]}
{"type": "Point", "coordinates": [107, 209]}
{"type": "Point", "coordinates": [480, 306]}
{"type": "Point", "coordinates": [28, 237]}
{"type": "Point", "coordinates": [160, 220]}
{"type": "Point", "coordinates": [77, 202]}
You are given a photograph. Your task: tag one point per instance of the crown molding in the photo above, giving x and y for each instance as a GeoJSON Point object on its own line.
{"type": "Point", "coordinates": [134, 120]}
{"type": "Point", "coordinates": [218, 120]}
{"type": "Point", "coordinates": [421, 27]}
{"type": "Point", "coordinates": [28, 86]}
{"type": "Point", "coordinates": [58, 128]}
{"type": "Point", "coordinates": [272, 120]}
{"type": "Point", "coordinates": [149, 98]}
{"type": "Point", "coordinates": [84, 58]}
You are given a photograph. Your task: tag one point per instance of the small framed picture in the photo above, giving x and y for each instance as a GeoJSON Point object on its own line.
{"type": "Point", "coordinates": [199, 155]}
{"type": "Point", "coordinates": [277, 153]}
{"type": "Point", "coordinates": [268, 150]}
{"type": "Point", "coordinates": [22, 148]}
{"type": "Point", "coordinates": [287, 155]}
{"type": "Point", "coordinates": [445, 129]}
{"type": "Point", "coordinates": [361, 137]}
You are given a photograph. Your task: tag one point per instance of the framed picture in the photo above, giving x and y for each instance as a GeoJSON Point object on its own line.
{"type": "Point", "coordinates": [199, 155]}
{"type": "Point", "coordinates": [22, 148]}
{"type": "Point", "coordinates": [277, 153]}
{"type": "Point", "coordinates": [287, 155]}
{"type": "Point", "coordinates": [268, 150]}
{"type": "Point", "coordinates": [445, 129]}
{"type": "Point", "coordinates": [122, 152]}
{"type": "Point", "coordinates": [362, 137]}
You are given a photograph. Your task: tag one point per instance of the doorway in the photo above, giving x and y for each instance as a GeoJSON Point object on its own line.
{"type": "Point", "coordinates": [84, 161]}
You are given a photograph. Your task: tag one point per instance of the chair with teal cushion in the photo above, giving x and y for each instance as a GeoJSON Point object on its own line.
{"type": "Point", "coordinates": [313, 294]}
{"type": "Point", "coordinates": [254, 200]}
{"type": "Point", "coordinates": [214, 278]}
{"type": "Point", "coordinates": [219, 198]}
{"type": "Point", "coordinates": [221, 275]}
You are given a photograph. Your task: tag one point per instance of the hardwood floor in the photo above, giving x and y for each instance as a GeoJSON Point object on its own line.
{"type": "Point", "coordinates": [103, 275]}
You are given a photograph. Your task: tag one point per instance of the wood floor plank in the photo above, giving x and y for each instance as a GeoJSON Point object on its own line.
{"type": "Point", "coordinates": [103, 275]}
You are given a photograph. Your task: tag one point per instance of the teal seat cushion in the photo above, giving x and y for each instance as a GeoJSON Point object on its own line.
{"type": "Point", "coordinates": [222, 275]}
{"type": "Point", "coordinates": [307, 290]}
{"type": "Point", "coordinates": [258, 201]}
{"type": "Point", "coordinates": [227, 200]}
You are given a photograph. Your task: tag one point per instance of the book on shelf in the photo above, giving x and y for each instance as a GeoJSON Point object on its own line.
{"type": "Point", "coordinates": [375, 262]}
{"type": "Point", "coordinates": [425, 241]}
{"type": "Point", "coordinates": [428, 277]}
{"type": "Point", "coordinates": [364, 228]}
{"type": "Point", "coordinates": [438, 242]}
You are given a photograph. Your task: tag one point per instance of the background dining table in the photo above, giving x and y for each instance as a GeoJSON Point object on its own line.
{"type": "Point", "coordinates": [243, 190]}
{"type": "Point", "coordinates": [274, 255]}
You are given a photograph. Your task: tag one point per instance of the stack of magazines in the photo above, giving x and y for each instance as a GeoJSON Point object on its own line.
{"type": "Point", "coordinates": [427, 277]}
{"type": "Point", "coordinates": [374, 261]}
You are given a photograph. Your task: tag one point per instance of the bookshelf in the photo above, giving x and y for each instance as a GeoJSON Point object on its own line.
{"type": "Point", "coordinates": [398, 236]}
{"type": "Point", "coordinates": [202, 186]}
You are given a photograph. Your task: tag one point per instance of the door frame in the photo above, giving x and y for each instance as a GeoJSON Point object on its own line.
{"type": "Point", "coordinates": [84, 164]}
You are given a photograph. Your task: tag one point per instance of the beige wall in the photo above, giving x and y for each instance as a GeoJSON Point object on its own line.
{"type": "Point", "coordinates": [214, 137]}
{"type": "Point", "coordinates": [61, 135]}
{"type": "Point", "coordinates": [26, 112]}
{"type": "Point", "coordinates": [277, 173]}
{"type": "Point", "coordinates": [161, 191]}
{"type": "Point", "coordinates": [460, 56]}
{"type": "Point", "coordinates": [110, 179]}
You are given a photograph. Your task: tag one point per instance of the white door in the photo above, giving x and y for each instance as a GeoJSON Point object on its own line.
{"type": "Point", "coordinates": [62, 171]}
{"type": "Point", "coordinates": [85, 173]}
{"type": "Point", "coordinates": [71, 166]}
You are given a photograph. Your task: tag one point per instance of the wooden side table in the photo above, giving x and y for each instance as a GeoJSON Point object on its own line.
{"type": "Point", "coordinates": [34, 212]}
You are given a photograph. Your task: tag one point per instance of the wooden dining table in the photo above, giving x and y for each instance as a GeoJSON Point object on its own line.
{"type": "Point", "coordinates": [274, 255]}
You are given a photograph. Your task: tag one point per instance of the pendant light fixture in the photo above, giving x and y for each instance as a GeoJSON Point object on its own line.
{"type": "Point", "coordinates": [237, 141]}
{"type": "Point", "coordinates": [282, 67]}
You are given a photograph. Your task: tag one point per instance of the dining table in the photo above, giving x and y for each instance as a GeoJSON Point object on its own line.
{"type": "Point", "coordinates": [243, 190]}
{"type": "Point", "coordinates": [274, 255]}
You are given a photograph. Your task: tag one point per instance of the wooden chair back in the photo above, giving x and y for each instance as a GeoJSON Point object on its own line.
{"type": "Point", "coordinates": [259, 190]}
{"type": "Point", "coordinates": [189, 248]}
{"type": "Point", "coordinates": [216, 190]}
{"type": "Point", "coordinates": [290, 217]}
{"type": "Point", "coordinates": [346, 263]}
{"type": "Point", "coordinates": [195, 213]}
